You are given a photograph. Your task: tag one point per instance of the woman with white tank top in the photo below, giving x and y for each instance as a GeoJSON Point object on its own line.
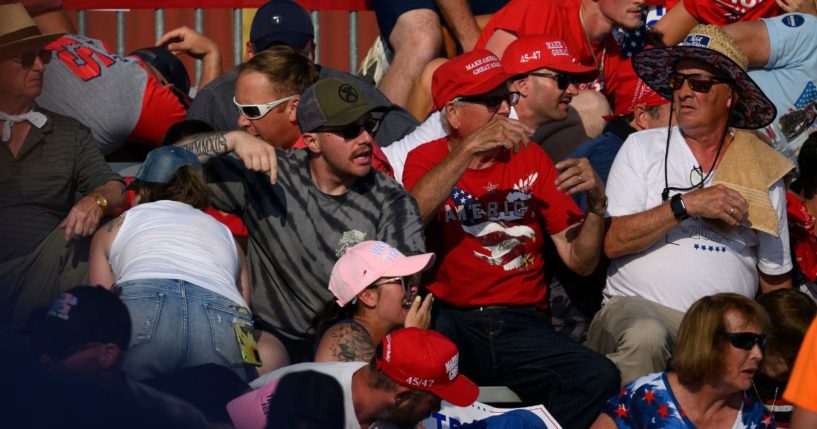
{"type": "Point", "coordinates": [180, 272]}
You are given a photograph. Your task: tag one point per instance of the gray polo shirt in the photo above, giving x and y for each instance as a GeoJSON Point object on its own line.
{"type": "Point", "coordinates": [57, 165]}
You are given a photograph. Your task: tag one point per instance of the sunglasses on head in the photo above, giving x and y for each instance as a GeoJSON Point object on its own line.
{"type": "Point", "coordinates": [258, 111]}
{"type": "Point", "coordinates": [563, 80]}
{"type": "Point", "coordinates": [492, 102]}
{"type": "Point", "coordinates": [698, 82]}
{"type": "Point", "coordinates": [27, 59]}
{"type": "Point", "coordinates": [746, 340]}
{"type": "Point", "coordinates": [351, 131]}
{"type": "Point", "coordinates": [411, 285]}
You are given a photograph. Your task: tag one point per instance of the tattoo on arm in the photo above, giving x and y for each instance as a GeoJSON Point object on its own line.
{"type": "Point", "coordinates": [114, 222]}
{"type": "Point", "coordinates": [205, 146]}
{"type": "Point", "coordinates": [350, 343]}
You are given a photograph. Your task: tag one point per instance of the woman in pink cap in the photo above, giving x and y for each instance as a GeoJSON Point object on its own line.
{"type": "Point", "coordinates": [375, 287]}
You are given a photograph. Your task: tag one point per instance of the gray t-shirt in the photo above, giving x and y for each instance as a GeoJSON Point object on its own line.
{"type": "Point", "coordinates": [214, 105]}
{"type": "Point", "coordinates": [296, 233]}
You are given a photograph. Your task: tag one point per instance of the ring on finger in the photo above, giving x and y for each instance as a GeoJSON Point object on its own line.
{"type": "Point", "coordinates": [731, 211]}
{"type": "Point", "coordinates": [580, 179]}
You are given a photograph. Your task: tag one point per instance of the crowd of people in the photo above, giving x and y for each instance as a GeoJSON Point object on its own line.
{"type": "Point", "coordinates": [610, 215]}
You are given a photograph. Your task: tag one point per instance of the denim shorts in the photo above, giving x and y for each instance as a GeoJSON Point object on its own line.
{"type": "Point", "coordinates": [176, 324]}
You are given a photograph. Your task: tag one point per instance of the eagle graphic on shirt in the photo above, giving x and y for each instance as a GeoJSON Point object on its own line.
{"type": "Point", "coordinates": [494, 224]}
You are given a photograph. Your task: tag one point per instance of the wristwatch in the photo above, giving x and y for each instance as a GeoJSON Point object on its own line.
{"type": "Point", "coordinates": [679, 209]}
{"type": "Point", "coordinates": [100, 200]}
{"type": "Point", "coordinates": [601, 210]}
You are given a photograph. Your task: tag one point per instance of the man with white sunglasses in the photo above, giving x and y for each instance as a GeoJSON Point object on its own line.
{"type": "Point", "coordinates": [318, 202]}
{"type": "Point", "coordinates": [267, 94]}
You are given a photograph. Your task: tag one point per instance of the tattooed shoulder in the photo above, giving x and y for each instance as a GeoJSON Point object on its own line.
{"type": "Point", "coordinates": [349, 342]}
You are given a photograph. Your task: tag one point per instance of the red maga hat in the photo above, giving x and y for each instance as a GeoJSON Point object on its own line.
{"type": "Point", "coordinates": [426, 360]}
{"type": "Point", "coordinates": [472, 73]}
{"type": "Point", "coordinates": [527, 54]}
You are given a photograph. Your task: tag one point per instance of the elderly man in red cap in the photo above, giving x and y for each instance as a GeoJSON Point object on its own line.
{"type": "Point", "coordinates": [489, 199]}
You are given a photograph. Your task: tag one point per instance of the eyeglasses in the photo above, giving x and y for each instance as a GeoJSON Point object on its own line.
{"type": "Point", "coordinates": [563, 80]}
{"type": "Point", "coordinates": [410, 285]}
{"type": "Point", "coordinates": [746, 340]}
{"type": "Point", "coordinates": [351, 131]}
{"type": "Point", "coordinates": [27, 59]}
{"type": "Point", "coordinates": [258, 111]}
{"type": "Point", "coordinates": [491, 102]}
{"type": "Point", "coordinates": [698, 82]}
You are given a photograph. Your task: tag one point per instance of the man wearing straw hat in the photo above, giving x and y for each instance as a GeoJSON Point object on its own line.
{"type": "Point", "coordinates": [694, 209]}
{"type": "Point", "coordinates": [54, 184]}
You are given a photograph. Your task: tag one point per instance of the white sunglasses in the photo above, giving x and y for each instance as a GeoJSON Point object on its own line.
{"type": "Point", "coordinates": [258, 111]}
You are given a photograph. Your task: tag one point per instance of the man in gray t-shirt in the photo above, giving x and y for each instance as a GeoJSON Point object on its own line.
{"type": "Point", "coordinates": [324, 199]}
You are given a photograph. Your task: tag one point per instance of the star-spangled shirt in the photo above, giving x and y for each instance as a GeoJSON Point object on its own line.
{"type": "Point", "coordinates": [649, 402]}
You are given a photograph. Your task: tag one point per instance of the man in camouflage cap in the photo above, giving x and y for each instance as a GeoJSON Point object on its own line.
{"type": "Point", "coordinates": [317, 202]}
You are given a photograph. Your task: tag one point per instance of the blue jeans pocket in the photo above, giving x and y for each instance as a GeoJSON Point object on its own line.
{"type": "Point", "coordinates": [145, 307]}
{"type": "Point", "coordinates": [221, 319]}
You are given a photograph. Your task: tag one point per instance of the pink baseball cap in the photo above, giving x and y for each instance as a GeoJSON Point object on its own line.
{"type": "Point", "coordinates": [472, 73]}
{"type": "Point", "coordinates": [530, 53]}
{"type": "Point", "coordinates": [249, 411]}
{"type": "Point", "coordinates": [368, 261]}
{"type": "Point", "coordinates": [426, 360]}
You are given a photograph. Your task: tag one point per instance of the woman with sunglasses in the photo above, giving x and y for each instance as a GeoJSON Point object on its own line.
{"type": "Point", "coordinates": [375, 288]}
{"type": "Point", "coordinates": [718, 350]}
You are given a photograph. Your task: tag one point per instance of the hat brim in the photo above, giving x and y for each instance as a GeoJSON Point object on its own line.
{"type": "Point", "coordinates": [17, 47]}
{"type": "Point", "coordinates": [481, 88]}
{"type": "Point", "coordinates": [461, 392]}
{"type": "Point", "coordinates": [410, 265]}
{"type": "Point", "coordinates": [753, 109]}
{"type": "Point", "coordinates": [585, 73]}
{"type": "Point", "coordinates": [348, 116]}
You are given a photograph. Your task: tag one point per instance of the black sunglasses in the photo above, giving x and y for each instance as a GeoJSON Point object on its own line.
{"type": "Point", "coordinates": [492, 102]}
{"type": "Point", "coordinates": [698, 82]}
{"type": "Point", "coordinates": [27, 58]}
{"type": "Point", "coordinates": [351, 131]}
{"type": "Point", "coordinates": [563, 80]}
{"type": "Point", "coordinates": [746, 340]}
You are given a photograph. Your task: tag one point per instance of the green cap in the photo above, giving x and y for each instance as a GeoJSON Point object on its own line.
{"type": "Point", "coordinates": [331, 103]}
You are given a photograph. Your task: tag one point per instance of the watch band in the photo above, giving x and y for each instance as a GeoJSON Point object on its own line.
{"type": "Point", "coordinates": [100, 200]}
{"type": "Point", "coordinates": [598, 210]}
{"type": "Point", "coordinates": [679, 209]}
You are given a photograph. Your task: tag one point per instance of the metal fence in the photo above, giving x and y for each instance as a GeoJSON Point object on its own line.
{"type": "Point", "coordinates": [159, 6]}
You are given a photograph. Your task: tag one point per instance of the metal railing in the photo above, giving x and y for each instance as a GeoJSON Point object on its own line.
{"type": "Point", "coordinates": [159, 6]}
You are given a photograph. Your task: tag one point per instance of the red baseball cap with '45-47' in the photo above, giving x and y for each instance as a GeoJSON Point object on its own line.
{"type": "Point", "coordinates": [426, 360]}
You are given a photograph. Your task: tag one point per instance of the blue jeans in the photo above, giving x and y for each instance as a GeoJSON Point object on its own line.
{"type": "Point", "coordinates": [176, 324]}
{"type": "Point", "coordinates": [517, 347]}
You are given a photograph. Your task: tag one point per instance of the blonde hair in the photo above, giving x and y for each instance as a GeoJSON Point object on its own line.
{"type": "Point", "coordinates": [701, 344]}
{"type": "Point", "coordinates": [291, 72]}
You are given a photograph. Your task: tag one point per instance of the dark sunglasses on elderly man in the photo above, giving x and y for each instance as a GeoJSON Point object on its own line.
{"type": "Point", "coordinates": [351, 131]}
{"type": "Point", "coordinates": [563, 80]}
{"type": "Point", "coordinates": [698, 82]}
{"type": "Point", "coordinates": [746, 340]}
{"type": "Point", "coordinates": [492, 102]}
{"type": "Point", "coordinates": [410, 284]}
{"type": "Point", "coordinates": [27, 59]}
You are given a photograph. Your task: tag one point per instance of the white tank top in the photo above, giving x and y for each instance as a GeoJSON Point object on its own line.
{"type": "Point", "coordinates": [172, 240]}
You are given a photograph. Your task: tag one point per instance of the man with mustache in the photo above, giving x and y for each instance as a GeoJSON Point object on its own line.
{"type": "Point", "coordinates": [317, 202]}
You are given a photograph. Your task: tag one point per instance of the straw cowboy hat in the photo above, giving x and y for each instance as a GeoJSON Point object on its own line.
{"type": "Point", "coordinates": [19, 32]}
{"type": "Point", "coordinates": [711, 45]}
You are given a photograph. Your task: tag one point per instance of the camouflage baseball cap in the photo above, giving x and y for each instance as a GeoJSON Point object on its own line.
{"type": "Point", "coordinates": [331, 103]}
